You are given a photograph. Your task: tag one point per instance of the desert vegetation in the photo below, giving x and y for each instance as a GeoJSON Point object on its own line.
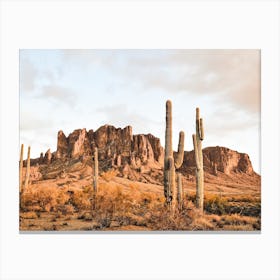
{"type": "Point", "coordinates": [130, 208]}
{"type": "Point", "coordinates": [78, 190]}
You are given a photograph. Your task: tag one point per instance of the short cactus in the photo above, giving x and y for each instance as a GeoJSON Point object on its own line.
{"type": "Point", "coordinates": [27, 175]}
{"type": "Point", "coordinates": [171, 163]}
{"type": "Point", "coordinates": [197, 143]}
{"type": "Point", "coordinates": [21, 167]}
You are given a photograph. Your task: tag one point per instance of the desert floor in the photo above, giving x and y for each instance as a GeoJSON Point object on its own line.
{"type": "Point", "coordinates": [68, 204]}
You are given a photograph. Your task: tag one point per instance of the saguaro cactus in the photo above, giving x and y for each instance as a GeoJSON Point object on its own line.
{"type": "Point", "coordinates": [180, 191]}
{"type": "Point", "coordinates": [27, 170]}
{"type": "Point", "coordinates": [95, 172]}
{"type": "Point", "coordinates": [171, 163]}
{"type": "Point", "coordinates": [197, 143]}
{"type": "Point", "coordinates": [21, 167]}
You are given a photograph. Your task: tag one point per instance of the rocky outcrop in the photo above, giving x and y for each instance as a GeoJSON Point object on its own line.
{"type": "Point", "coordinates": [48, 157]}
{"type": "Point", "coordinates": [116, 146]}
{"type": "Point", "coordinates": [119, 148]}
{"type": "Point", "coordinates": [62, 145]}
{"type": "Point", "coordinates": [221, 159]}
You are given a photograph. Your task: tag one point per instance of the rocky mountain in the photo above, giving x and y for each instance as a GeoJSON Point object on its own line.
{"type": "Point", "coordinates": [221, 159]}
{"type": "Point", "coordinates": [116, 146]}
{"type": "Point", "coordinates": [137, 154]}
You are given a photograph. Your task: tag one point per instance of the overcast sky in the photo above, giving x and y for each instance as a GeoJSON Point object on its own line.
{"type": "Point", "coordinates": [71, 89]}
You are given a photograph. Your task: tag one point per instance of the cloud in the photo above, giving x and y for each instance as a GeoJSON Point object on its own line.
{"type": "Point", "coordinates": [225, 121]}
{"type": "Point", "coordinates": [228, 75]}
{"type": "Point", "coordinates": [120, 116]}
{"type": "Point", "coordinates": [231, 76]}
{"type": "Point", "coordinates": [59, 94]}
{"type": "Point", "coordinates": [31, 122]}
{"type": "Point", "coordinates": [85, 58]}
{"type": "Point", "coordinates": [28, 75]}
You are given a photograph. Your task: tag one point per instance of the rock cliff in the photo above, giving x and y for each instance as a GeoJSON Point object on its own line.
{"type": "Point", "coordinates": [116, 146]}
{"type": "Point", "coordinates": [221, 159]}
{"type": "Point", "coordinates": [119, 148]}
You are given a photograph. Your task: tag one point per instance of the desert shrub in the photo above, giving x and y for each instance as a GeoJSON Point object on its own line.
{"type": "Point", "coordinates": [148, 198]}
{"type": "Point", "coordinates": [29, 215]}
{"type": "Point", "coordinates": [66, 209]}
{"type": "Point", "coordinates": [245, 205]}
{"type": "Point", "coordinates": [215, 218]}
{"type": "Point", "coordinates": [87, 216]}
{"type": "Point", "coordinates": [88, 189]}
{"type": "Point", "coordinates": [43, 198]}
{"type": "Point", "coordinates": [238, 222]}
{"type": "Point", "coordinates": [161, 219]}
{"type": "Point", "coordinates": [62, 197]}
{"type": "Point", "coordinates": [124, 206]}
{"type": "Point", "coordinates": [215, 204]}
{"type": "Point", "coordinates": [114, 199]}
{"type": "Point", "coordinates": [245, 209]}
{"type": "Point", "coordinates": [249, 198]}
{"type": "Point", "coordinates": [103, 221]}
{"type": "Point", "coordinates": [109, 175]}
{"type": "Point", "coordinates": [121, 206]}
{"type": "Point", "coordinates": [81, 200]}
{"type": "Point", "coordinates": [133, 188]}
{"type": "Point", "coordinates": [201, 223]}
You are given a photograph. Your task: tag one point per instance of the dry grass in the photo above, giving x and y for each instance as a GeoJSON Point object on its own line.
{"type": "Point", "coordinates": [43, 199]}
{"type": "Point", "coordinates": [224, 204]}
{"type": "Point", "coordinates": [109, 175]}
{"type": "Point", "coordinates": [128, 207]}
{"type": "Point", "coordinates": [29, 215]}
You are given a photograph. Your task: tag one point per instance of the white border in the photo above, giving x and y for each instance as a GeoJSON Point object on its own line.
{"type": "Point", "coordinates": [156, 24]}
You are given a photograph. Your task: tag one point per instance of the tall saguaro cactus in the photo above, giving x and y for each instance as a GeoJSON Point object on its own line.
{"type": "Point", "coordinates": [197, 143]}
{"type": "Point", "coordinates": [21, 167]}
{"type": "Point", "coordinates": [171, 163]}
{"type": "Point", "coordinates": [27, 170]}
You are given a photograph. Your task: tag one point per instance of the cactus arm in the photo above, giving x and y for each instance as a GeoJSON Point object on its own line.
{"type": "Point", "coordinates": [201, 129]}
{"type": "Point", "coordinates": [179, 158]}
{"type": "Point", "coordinates": [196, 156]}
{"type": "Point", "coordinates": [197, 122]}
{"type": "Point", "coordinates": [180, 190]}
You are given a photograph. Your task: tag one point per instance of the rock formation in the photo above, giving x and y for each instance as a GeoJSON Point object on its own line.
{"type": "Point", "coordinates": [119, 148]}
{"type": "Point", "coordinates": [62, 145]}
{"type": "Point", "coordinates": [116, 146]}
{"type": "Point", "coordinates": [48, 157]}
{"type": "Point", "coordinates": [225, 160]}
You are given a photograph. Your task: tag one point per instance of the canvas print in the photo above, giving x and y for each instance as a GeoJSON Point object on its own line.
{"type": "Point", "coordinates": [139, 140]}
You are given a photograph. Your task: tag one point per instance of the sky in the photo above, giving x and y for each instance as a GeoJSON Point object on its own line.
{"type": "Point", "coordinates": [72, 89]}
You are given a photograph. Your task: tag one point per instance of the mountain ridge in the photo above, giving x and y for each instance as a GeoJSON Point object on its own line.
{"type": "Point", "coordinates": [119, 149]}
